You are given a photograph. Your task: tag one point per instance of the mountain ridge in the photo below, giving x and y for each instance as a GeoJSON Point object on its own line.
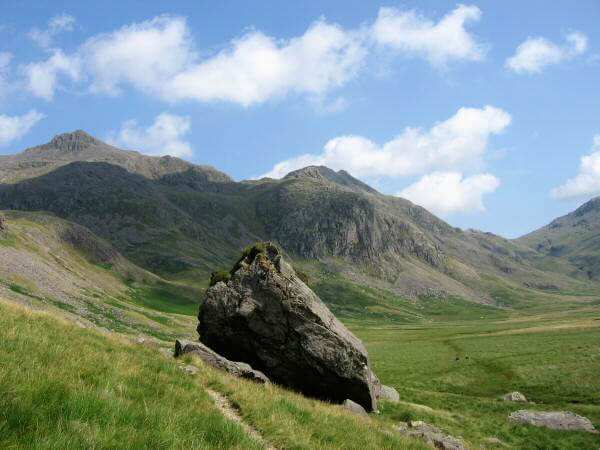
{"type": "Point", "coordinates": [181, 220]}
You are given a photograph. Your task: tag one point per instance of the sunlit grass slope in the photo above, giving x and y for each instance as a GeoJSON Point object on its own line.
{"type": "Point", "coordinates": [62, 386]}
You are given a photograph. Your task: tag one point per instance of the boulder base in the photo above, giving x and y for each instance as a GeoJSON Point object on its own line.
{"type": "Point", "coordinates": [211, 358]}
{"type": "Point", "coordinates": [389, 393]}
{"type": "Point", "coordinates": [267, 317]}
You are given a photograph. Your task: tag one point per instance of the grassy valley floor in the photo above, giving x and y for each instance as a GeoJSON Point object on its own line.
{"type": "Point", "coordinates": [454, 374]}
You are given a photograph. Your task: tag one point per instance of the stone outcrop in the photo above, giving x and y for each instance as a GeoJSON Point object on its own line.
{"type": "Point", "coordinates": [430, 434]}
{"type": "Point", "coordinates": [211, 358]}
{"type": "Point", "coordinates": [267, 317]}
{"type": "Point", "coordinates": [557, 420]}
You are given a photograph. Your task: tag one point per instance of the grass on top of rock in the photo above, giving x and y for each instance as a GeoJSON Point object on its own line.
{"type": "Point", "coordinates": [109, 393]}
{"type": "Point", "coordinates": [251, 252]}
{"type": "Point", "coordinates": [219, 275]}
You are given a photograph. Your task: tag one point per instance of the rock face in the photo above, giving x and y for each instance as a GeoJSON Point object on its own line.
{"type": "Point", "coordinates": [266, 316]}
{"type": "Point", "coordinates": [557, 420]}
{"type": "Point", "coordinates": [514, 397]}
{"type": "Point", "coordinates": [238, 369]}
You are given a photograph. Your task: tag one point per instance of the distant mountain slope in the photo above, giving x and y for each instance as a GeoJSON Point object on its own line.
{"type": "Point", "coordinates": [181, 221]}
{"type": "Point", "coordinates": [81, 147]}
{"type": "Point", "coordinates": [574, 238]}
{"type": "Point", "coordinates": [47, 261]}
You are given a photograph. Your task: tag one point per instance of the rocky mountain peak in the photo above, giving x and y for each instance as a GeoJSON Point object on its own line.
{"type": "Point", "coordinates": [73, 142]}
{"type": "Point", "coordinates": [340, 177]}
{"type": "Point", "coordinates": [590, 206]}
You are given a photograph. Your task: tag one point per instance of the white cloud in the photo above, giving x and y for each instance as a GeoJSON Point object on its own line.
{"type": "Point", "coordinates": [144, 55]}
{"type": "Point", "coordinates": [440, 42]}
{"type": "Point", "coordinates": [15, 127]}
{"type": "Point", "coordinates": [458, 141]}
{"type": "Point", "coordinates": [587, 181]}
{"type": "Point", "coordinates": [257, 67]}
{"type": "Point", "coordinates": [445, 193]}
{"type": "Point", "coordinates": [163, 137]}
{"type": "Point", "coordinates": [44, 38]}
{"type": "Point", "coordinates": [533, 55]}
{"type": "Point", "coordinates": [159, 57]}
{"type": "Point", "coordinates": [42, 77]}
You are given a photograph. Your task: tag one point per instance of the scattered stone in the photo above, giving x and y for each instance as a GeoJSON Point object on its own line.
{"type": "Point", "coordinates": [557, 420]}
{"type": "Point", "coordinates": [267, 317]}
{"type": "Point", "coordinates": [494, 441]}
{"type": "Point", "coordinates": [514, 397]}
{"type": "Point", "coordinates": [212, 358]}
{"type": "Point", "coordinates": [166, 352]}
{"type": "Point", "coordinates": [354, 407]}
{"type": "Point", "coordinates": [430, 434]}
{"type": "Point", "coordinates": [192, 370]}
{"type": "Point", "coordinates": [389, 393]}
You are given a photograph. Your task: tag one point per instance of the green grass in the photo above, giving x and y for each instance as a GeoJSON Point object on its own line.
{"type": "Point", "coordinates": [357, 303]}
{"type": "Point", "coordinates": [66, 387]}
{"type": "Point", "coordinates": [167, 298]}
{"type": "Point", "coordinates": [462, 369]}
{"type": "Point", "coordinates": [62, 387]}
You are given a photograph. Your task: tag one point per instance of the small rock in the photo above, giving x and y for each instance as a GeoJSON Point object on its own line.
{"type": "Point", "coordinates": [212, 358]}
{"type": "Point", "coordinates": [166, 352]}
{"type": "Point", "coordinates": [493, 441]}
{"type": "Point", "coordinates": [354, 407]}
{"type": "Point", "coordinates": [192, 370]}
{"type": "Point", "coordinates": [557, 420]}
{"type": "Point", "coordinates": [389, 393]}
{"type": "Point", "coordinates": [2, 223]}
{"type": "Point", "coordinates": [514, 397]}
{"type": "Point", "coordinates": [430, 434]}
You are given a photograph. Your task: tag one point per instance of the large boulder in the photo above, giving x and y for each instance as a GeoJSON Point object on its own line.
{"type": "Point", "coordinates": [264, 315]}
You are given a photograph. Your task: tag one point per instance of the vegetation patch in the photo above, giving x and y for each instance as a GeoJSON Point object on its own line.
{"type": "Point", "coordinates": [219, 275]}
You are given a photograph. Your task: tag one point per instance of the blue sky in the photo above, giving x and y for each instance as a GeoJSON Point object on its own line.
{"type": "Point", "coordinates": [487, 113]}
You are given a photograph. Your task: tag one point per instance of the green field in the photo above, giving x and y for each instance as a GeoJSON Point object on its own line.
{"type": "Point", "coordinates": [459, 371]}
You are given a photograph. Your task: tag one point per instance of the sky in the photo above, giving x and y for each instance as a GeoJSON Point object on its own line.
{"type": "Point", "coordinates": [486, 113]}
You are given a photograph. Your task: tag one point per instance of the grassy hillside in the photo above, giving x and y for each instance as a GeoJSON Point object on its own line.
{"type": "Point", "coordinates": [573, 238]}
{"type": "Point", "coordinates": [49, 262]}
{"type": "Point", "coordinates": [109, 393]}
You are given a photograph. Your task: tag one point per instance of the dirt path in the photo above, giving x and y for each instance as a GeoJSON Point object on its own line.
{"type": "Point", "coordinates": [232, 413]}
